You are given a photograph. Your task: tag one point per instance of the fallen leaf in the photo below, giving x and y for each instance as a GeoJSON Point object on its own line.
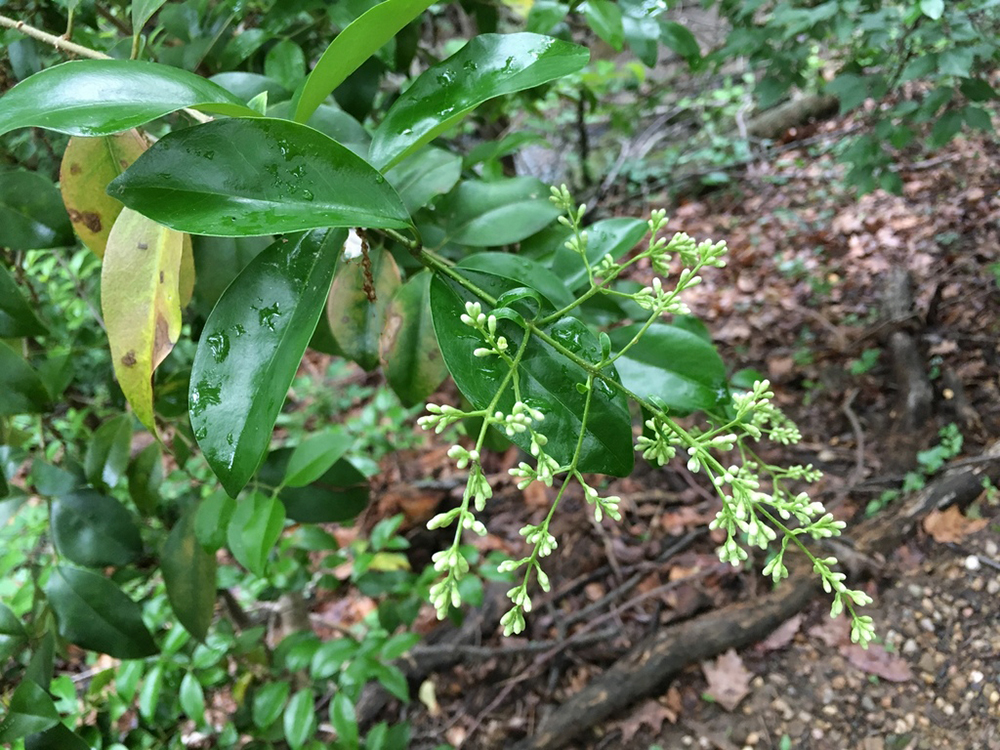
{"type": "Point", "coordinates": [950, 525]}
{"type": "Point", "coordinates": [833, 631]}
{"type": "Point", "coordinates": [651, 714]}
{"type": "Point", "coordinates": [782, 635]}
{"type": "Point", "coordinates": [728, 680]}
{"type": "Point", "coordinates": [877, 661]}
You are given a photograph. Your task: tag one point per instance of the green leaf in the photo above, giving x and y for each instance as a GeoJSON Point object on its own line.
{"type": "Point", "coordinates": [108, 452]}
{"type": "Point", "coordinates": [933, 9]}
{"type": "Point", "coordinates": [488, 214]}
{"type": "Point", "coordinates": [59, 737]}
{"type": "Point", "coordinates": [285, 63]}
{"type": "Point", "coordinates": [977, 118]}
{"type": "Point", "coordinates": [331, 656]}
{"type": "Point", "coordinates": [17, 319]}
{"type": "Point", "coordinates": [101, 97]}
{"type": "Point", "coordinates": [21, 390]}
{"type": "Point", "coordinates": [241, 177]}
{"type": "Point", "coordinates": [254, 529]}
{"type": "Point", "coordinates": [250, 350]}
{"type": "Point", "coordinates": [12, 633]}
{"type": "Point", "coordinates": [94, 614]}
{"type": "Point", "coordinates": [192, 699]}
{"type": "Point", "coordinates": [212, 519]}
{"type": "Point", "coordinates": [956, 61]}
{"type": "Point", "coordinates": [605, 18]}
{"type": "Point", "coordinates": [145, 475]}
{"type": "Point", "coordinates": [140, 299]}
{"type": "Point", "coordinates": [411, 359]}
{"type": "Point", "coordinates": [31, 710]}
{"type": "Point", "coordinates": [269, 702]}
{"type": "Point", "coordinates": [189, 575]}
{"type": "Point", "coordinates": [352, 46]}
{"type": "Point", "coordinates": [948, 125]}
{"type": "Point", "coordinates": [142, 11]}
{"type": "Point", "coordinates": [344, 720]}
{"type": "Point", "coordinates": [525, 271]}
{"type": "Point", "coordinates": [548, 379]}
{"type": "Point", "coordinates": [680, 40]}
{"type": "Point", "coordinates": [314, 456]}
{"type": "Point", "coordinates": [671, 364]}
{"type": "Point", "coordinates": [356, 321]}
{"type": "Point", "coordinates": [490, 65]}
{"type": "Point", "coordinates": [393, 680]}
{"type": "Point", "coordinates": [149, 693]}
{"type": "Point", "coordinates": [614, 237]}
{"type": "Point", "coordinates": [337, 496]}
{"type": "Point", "coordinates": [424, 175]}
{"type": "Point", "coordinates": [94, 530]}
{"type": "Point", "coordinates": [88, 167]}
{"type": "Point", "coordinates": [31, 212]}
{"type": "Point", "coordinates": [300, 719]}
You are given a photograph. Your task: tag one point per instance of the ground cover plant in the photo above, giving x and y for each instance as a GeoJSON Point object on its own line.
{"type": "Point", "coordinates": [328, 210]}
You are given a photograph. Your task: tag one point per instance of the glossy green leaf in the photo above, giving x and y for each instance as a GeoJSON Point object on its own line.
{"type": "Point", "coordinates": [101, 97]}
{"type": "Point", "coordinates": [393, 680]}
{"type": "Point", "coordinates": [257, 176]}
{"type": "Point", "coordinates": [31, 710]}
{"type": "Point", "coordinates": [254, 529]}
{"type": "Point", "coordinates": [356, 321]}
{"type": "Point", "coordinates": [250, 350]}
{"type": "Point", "coordinates": [12, 633]}
{"type": "Point", "coordinates": [344, 720]}
{"type": "Point", "coordinates": [605, 19]}
{"type": "Point", "coordinates": [107, 454]}
{"type": "Point", "coordinates": [422, 176]}
{"type": "Point", "coordinates": [94, 614]}
{"type": "Point", "coordinates": [488, 214]}
{"type": "Point", "coordinates": [352, 46]}
{"type": "Point", "coordinates": [59, 737]}
{"type": "Point", "coordinates": [31, 211]}
{"type": "Point", "coordinates": [145, 475]}
{"type": "Point", "coordinates": [285, 63]}
{"type": "Point", "coordinates": [300, 719]}
{"type": "Point", "coordinates": [337, 496]}
{"type": "Point", "coordinates": [94, 530]}
{"type": "Point", "coordinates": [142, 11]}
{"type": "Point", "coordinates": [614, 237]}
{"type": "Point", "coordinates": [42, 663]}
{"type": "Point", "coordinates": [21, 390]}
{"type": "Point", "coordinates": [524, 271]}
{"type": "Point", "coordinates": [411, 359]}
{"type": "Point", "coordinates": [314, 456]}
{"type": "Point", "coordinates": [269, 702]}
{"type": "Point", "coordinates": [149, 693]}
{"type": "Point", "coordinates": [88, 167]}
{"type": "Point", "coordinates": [490, 65]}
{"type": "Point", "coordinates": [674, 365]}
{"type": "Point", "coordinates": [246, 86]}
{"type": "Point", "coordinates": [192, 699]}
{"type": "Point", "coordinates": [140, 299]}
{"type": "Point", "coordinates": [330, 657]}
{"type": "Point", "coordinates": [189, 575]}
{"type": "Point", "coordinates": [212, 520]}
{"type": "Point", "coordinates": [219, 260]}
{"type": "Point", "coordinates": [17, 318]}
{"type": "Point", "coordinates": [933, 9]}
{"type": "Point", "coordinates": [680, 39]}
{"type": "Point", "coordinates": [548, 379]}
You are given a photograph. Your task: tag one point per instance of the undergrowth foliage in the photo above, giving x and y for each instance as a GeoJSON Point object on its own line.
{"type": "Point", "coordinates": [750, 516]}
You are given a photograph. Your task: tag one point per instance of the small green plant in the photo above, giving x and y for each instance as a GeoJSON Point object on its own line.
{"type": "Point", "coordinates": [929, 463]}
{"type": "Point", "coordinates": [865, 363]}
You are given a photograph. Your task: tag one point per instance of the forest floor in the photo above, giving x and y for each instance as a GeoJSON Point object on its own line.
{"type": "Point", "coordinates": [800, 302]}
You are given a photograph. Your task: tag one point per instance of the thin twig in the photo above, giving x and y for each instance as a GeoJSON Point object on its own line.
{"type": "Point", "coordinates": [859, 439]}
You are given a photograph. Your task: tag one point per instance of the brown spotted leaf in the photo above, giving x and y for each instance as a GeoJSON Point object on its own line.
{"type": "Point", "coordinates": [728, 680]}
{"type": "Point", "coordinates": [140, 299]}
{"type": "Point", "coordinates": [88, 165]}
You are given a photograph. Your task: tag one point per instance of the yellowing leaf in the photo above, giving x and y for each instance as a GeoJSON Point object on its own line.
{"type": "Point", "coordinates": [385, 562]}
{"type": "Point", "coordinates": [88, 165]}
{"type": "Point", "coordinates": [140, 298]}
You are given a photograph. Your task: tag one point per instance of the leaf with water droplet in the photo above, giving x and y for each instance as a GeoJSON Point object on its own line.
{"type": "Point", "coordinates": [140, 299]}
{"type": "Point", "coordinates": [257, 182]}
{"type": "Point", "coordinates": [266, 318]}
{"type": "Point", "coordinates": [490, 65]}
{"type": "Point", "coordinates": [548, 379]}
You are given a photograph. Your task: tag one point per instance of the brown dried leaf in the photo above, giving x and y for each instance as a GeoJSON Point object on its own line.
{"type": "Point", "coordinates": [877, 661]}
{"type": "Point", "coordinates": [651, 714]}
{"type": "Point", "coordinates": [728, 679]}
{"type": "Point", "coordinates": [782, 635]}
{"type": "Point", "coordinates": [950, 525]}
{"type": "Point", "coordinates": [833, 631]}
